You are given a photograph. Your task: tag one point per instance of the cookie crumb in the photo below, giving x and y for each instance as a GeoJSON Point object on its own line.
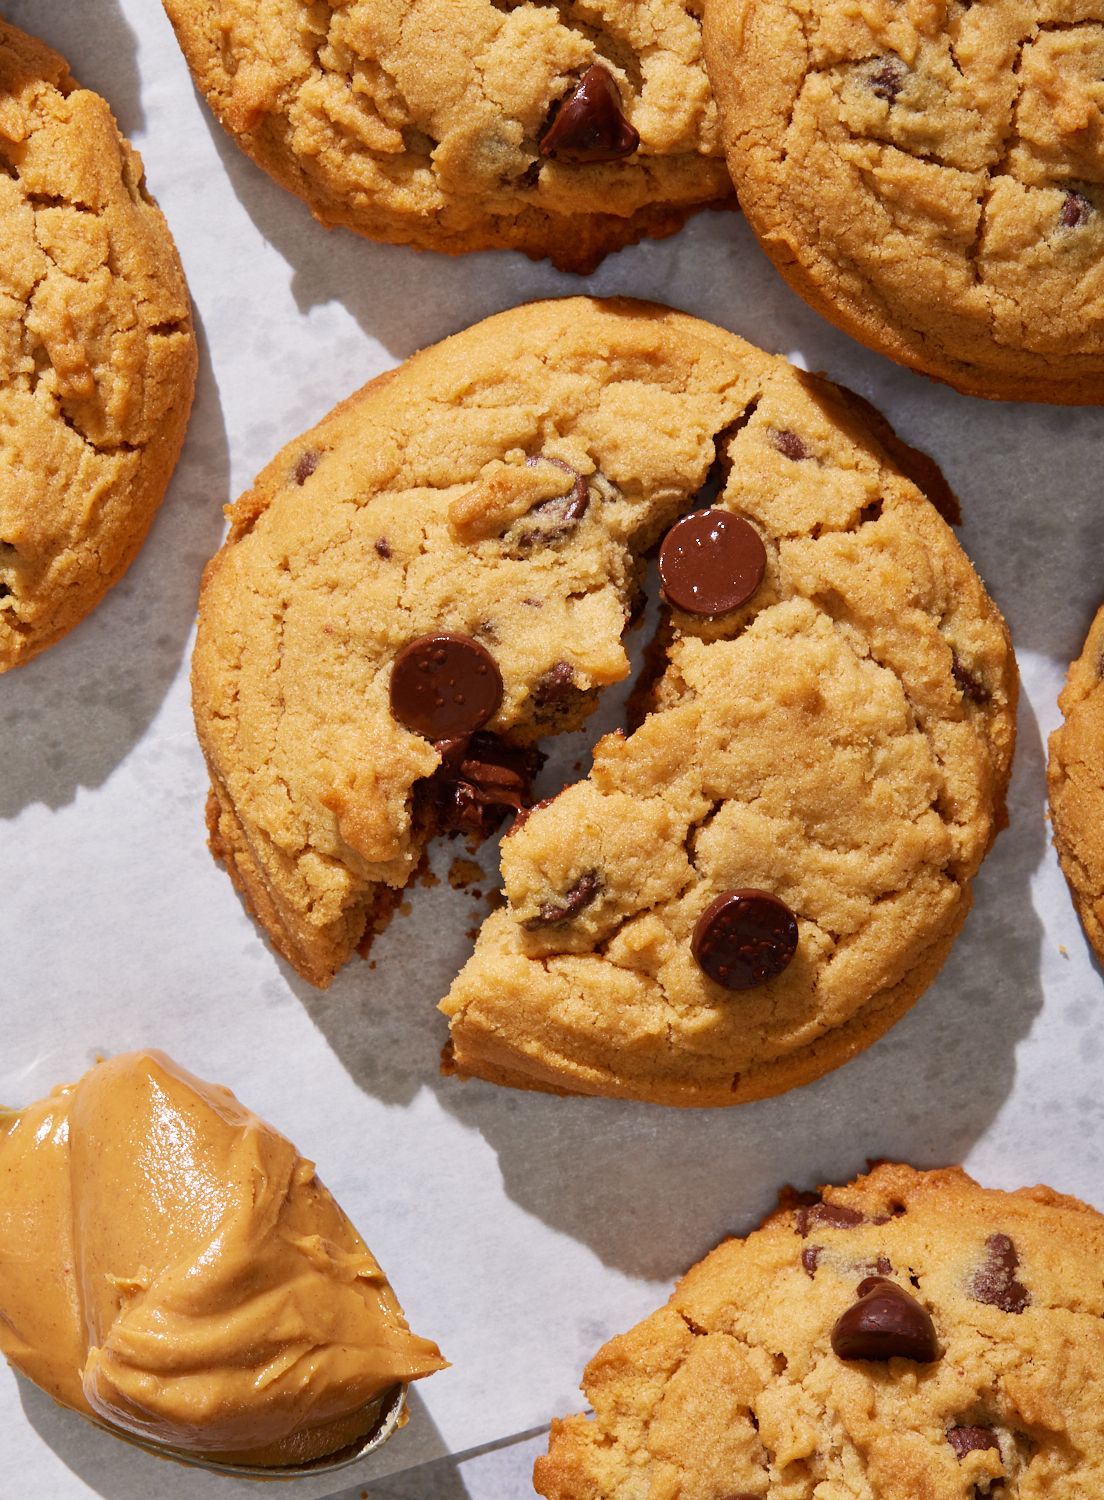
{"type": "Point", "coordinates": [463, 873]}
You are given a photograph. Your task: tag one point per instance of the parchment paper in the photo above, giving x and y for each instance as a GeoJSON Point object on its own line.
{"type": "Point", "coordinates": [519, 1231]}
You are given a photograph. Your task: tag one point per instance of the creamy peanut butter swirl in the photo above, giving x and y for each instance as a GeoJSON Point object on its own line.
{"type": "Point", "coordinates": [170, 1264]}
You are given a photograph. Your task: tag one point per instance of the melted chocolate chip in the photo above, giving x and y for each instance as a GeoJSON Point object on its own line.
{"type": "Point", "coordinates": [526, 812]}
{"type": "Point", "coordinates": [711, 562]}
{"type": "Point", "coordinates": [383, 548]}
{"type": "Point", "coordinates": [995, 1280]}
{"type": "Point", "coordinates": [558, 516]}
{"type": "Point", "coordinates": [555, 687]}
{"type": "Point", "coordinates": [967, 683]}
{"type": "Point", "coordinates": [971, 1440]}
{"type": "Point", "coordinates": [744, 938]}
{"type": "Point", "coordinates": [885, 1323]}
{"type": "Point", "coordinates": [575, 502]}
{"type": "Point", "coordinates": [888, 78]}
{"type": "Point", "coordinates": [305, 466]}
{"type": "Point", "coordinates": [1076, 210]}
{"type": "Point", "coordinates": [810, 1259]}
{"type": "Point", "coordinates": [789, 445]}
{"type": "Point", "coordinates": [589, 125]}
{"type": "Point", "coordinates": [445, 685]}
{"type": "Point", "coordinates": [569, 905]}
{"type": "Point", "coordinates": [826, 1216]}
{"type": "Point", "coordinates": [479, 780]}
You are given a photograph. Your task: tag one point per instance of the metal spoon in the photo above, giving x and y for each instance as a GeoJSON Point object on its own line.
{"type": "Point", "coordinates": [390, 1408]}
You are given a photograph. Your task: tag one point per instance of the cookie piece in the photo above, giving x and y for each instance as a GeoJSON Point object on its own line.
{"type": "Point", "coordinates": [1075, 781]}
{"type": "Point", "coordinates": [969, 1366]}
{"type": "Point", "coordinates": [97, 350]}
{"type": "Point", "coordinates": [929, 177]}
{"type": "Point", "coordinates": [840, 741]}
{"type": "Point", "coordinates": [454, 125]}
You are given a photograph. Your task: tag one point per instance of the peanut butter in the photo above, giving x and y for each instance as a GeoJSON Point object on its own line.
{"type": "Point", "coordinates": [171, 1265]}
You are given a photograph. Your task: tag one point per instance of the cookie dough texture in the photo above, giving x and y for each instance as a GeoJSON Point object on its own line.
{"type": "Point", "coordinates": [418, 121]}
{"type": "Point", "coordinates": [97, 352]}
{"type": "Point", "coordinates": [732, 1389]}
{"type": "Point", "coordinates": [930, 176]}
{"type": "Point", "coordinates": [843, 740]}
{"type": "Point", "coordinates": [1075, 776]}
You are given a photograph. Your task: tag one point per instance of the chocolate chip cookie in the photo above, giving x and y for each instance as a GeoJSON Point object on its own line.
{"type": "Point", "coordinates": [1075, 777]}
{"type": "Point", "coordinates": [562, 131]}
{"type": "Point", "coordinates": [930, 177]}
{"type": "Point", "coordinates": [911, 1334]}
{"type": "Point", "coordinates": [97, 350]}
{"type": "Point", "coordinates": [762, 877]}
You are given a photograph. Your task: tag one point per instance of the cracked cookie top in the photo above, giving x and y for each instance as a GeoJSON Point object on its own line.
{"type": "Point", "coordinates": [96, 345]}
{"type": "Point", "coordinates": [1075, 777]}
{"type": "Point", "coordinates": [441, 572]}
{"type": "Point", "coordinates": [911, 1334]}
{"type": "Point", "coordinates": [930, 176]}
{"type": "Point", "coordinates": [563, 130]}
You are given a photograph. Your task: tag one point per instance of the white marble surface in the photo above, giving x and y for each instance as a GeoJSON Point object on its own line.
{"type": "Point", "coordinates": [519, 1231]}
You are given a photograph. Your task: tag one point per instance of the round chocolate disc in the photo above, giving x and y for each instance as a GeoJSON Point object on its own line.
{"type": "Point", "coordinates": [744, 938]}
{"type": "Point", "coordinates": [445, 685]}
{"type": "Point", "coordinates": [711, 561]}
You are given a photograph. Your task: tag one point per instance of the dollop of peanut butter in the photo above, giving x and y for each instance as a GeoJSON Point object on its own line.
{"type": "Point", "coordinates": [171, 1265]}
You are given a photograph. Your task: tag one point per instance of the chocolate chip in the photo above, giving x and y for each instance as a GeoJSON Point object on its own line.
{"type": "Point", "coordinates": [995, 1281]}
{"type": "Point", "coordinates": [810, 1259]}
{"type": "Point", "coordinates": [827, 1216]}
{"type": "Point", "coordinates": [789, 444]}
{"type": "Point", "coordinates": [971, 1440]}
{"type": "Point", "coordinates": [888, 78]}
{"type": "Point", "coordinates": [569, 905]}
{"type": "Point", "coordinates": [967, 683]}
{"type": "Point", "coordinates": [711, 562]}
{"type": "Point", "coordinates": [589, 125]}
{"type": "Point", "coordinates": [556, 686]}
{"type": "Point", "coordinates": [527, 812]}
{"type": "Point", "coordinates": [744, 938]}
{"type": "Point", "coordinates": [305, 466]}
{"type": "Point", "coordinates": [1076, 210]}
{"type": "Point", "coordinates": [479, 780]}
{"type": "Point", "coordinates": [557, 517]}
{"type": "Point", "coordinates": [383, 547]}
{"type": "Point", "coordinates": [577, 499]}
{"type": "Point", "coordinates": [445, 685]}
{"type": "Point", "coordinates": [885, 1323]}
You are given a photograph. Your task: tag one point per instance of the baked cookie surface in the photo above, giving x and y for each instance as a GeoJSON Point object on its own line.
{"type": "Point", "coordinates": [972, 1367]}
{"type": "Point", "coordinates": [839, 742]}
{"type": "Point", "coordinates": [97, 350]}
{"type": "Point", "coordinates": [1075, 782]}
{"type": "Point", "coordinates": [930, 177]}
{"type": "Point", "coordinates": [457, 125]}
